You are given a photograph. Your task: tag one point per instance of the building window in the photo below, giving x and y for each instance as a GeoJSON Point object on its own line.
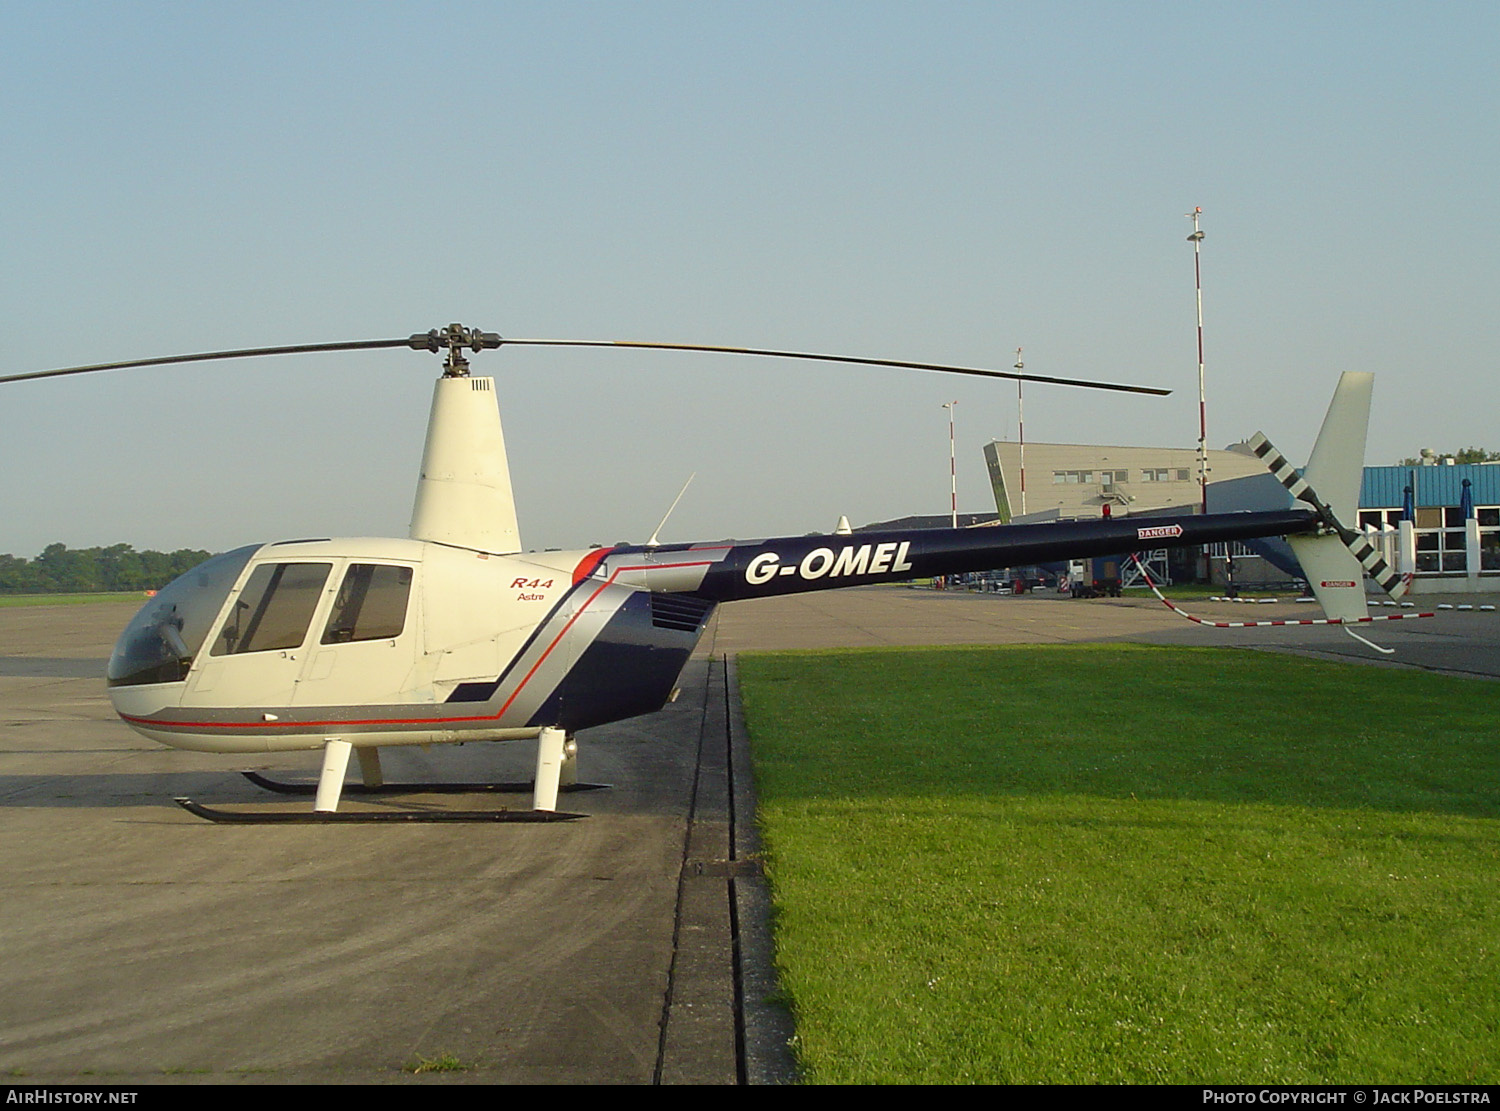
{"type": "Point", "coordinates": [1443, 550]}
{"type": "Point", "coordinates": [1164, 474]}
{"type": "Point", "coordinates": [1442, 536]}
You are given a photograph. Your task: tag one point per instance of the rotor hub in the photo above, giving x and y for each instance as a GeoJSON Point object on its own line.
{"type": "Point", "coordinates": [455, 338]}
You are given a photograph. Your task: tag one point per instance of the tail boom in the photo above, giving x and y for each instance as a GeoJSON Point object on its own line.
{"type": "Point", "coordinates": [792, 565]}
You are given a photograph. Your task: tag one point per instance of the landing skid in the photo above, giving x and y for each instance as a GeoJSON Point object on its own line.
{"type": "Point", "coordinates": [320, 817]}
{"type": "Point", "coordinates": [518, 787]}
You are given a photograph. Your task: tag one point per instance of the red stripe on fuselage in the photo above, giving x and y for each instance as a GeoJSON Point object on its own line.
{"type": "Point", "coordinates": [587, 564]}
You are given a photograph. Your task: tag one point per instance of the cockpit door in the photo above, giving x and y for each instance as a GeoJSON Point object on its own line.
{"type": "Point", "coordinates": [256, 654]}
{"type": "Point", "coordinates": [364, 652]}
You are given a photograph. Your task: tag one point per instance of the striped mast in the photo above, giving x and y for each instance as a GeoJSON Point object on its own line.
{"type": "Point", "coordinates": [952, 464]}
{"type": "Point", "coordinates": [1197, 241]}
{"type": "Point", "coordinates": [1021, 429]}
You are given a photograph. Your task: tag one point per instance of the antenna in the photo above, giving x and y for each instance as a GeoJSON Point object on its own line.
{"type": "Point", "coordinates": [652, 543]}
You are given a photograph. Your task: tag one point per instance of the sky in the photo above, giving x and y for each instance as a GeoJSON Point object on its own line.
{"type": "Point", "coordinates": [941, 182]}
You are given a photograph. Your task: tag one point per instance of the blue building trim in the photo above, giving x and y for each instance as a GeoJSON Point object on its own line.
{"type": "Point", "coordinates": [1385, 487]}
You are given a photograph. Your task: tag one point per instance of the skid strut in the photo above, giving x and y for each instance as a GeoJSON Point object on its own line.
{"type": "Point", "coordinates": [556, 772]}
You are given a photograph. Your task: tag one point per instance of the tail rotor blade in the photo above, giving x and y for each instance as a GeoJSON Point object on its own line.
{"type": "Point", "coordinates": [1371, 560]}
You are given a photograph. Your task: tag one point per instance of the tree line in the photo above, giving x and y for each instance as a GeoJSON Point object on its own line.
{"type": "Point", "coordinates": [61, 570]}
{"type": "Point", "coordinates": [1462, 455]}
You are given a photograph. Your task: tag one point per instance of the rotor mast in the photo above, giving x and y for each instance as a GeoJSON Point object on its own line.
{"type": "Point", "coordinates": [464, 496]}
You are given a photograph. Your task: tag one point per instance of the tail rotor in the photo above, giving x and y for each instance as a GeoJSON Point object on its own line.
{"type": "Point", "coordinates": [1359, 546]}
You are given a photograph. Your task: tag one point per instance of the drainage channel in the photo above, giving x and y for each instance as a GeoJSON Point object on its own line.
{"type": "Point", "coordinates": [720, 1021]}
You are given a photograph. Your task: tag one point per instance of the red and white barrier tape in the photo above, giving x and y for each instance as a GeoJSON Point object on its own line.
{"type": "Point", "coordinates": [1267, 624]}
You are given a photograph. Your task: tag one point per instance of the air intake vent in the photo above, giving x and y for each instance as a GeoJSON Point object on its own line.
{"type": "Point", "coordinates": [683, 612]}
{"type": "Point", "coordinates": [482, 385]}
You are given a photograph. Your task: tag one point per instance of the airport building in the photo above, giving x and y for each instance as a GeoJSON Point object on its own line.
{"type": "Point", "coordinates": [1452, 514]}
{"type": "Point", "coordinates": [1450, 541]}
{"type": "Point", "coordinates": [1060, 481]}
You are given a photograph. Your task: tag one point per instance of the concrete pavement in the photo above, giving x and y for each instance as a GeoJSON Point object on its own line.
{"type": "Point", "coordinates": [141, 945]}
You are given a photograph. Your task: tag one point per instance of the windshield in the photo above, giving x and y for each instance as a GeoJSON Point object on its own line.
{"type": "Point", "coordinates": [160, 642]}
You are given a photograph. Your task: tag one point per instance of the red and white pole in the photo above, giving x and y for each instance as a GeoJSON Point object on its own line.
{"type": "Point", "coordinates": [1021, 429]}
{"type": "Point", "coordinates": [1197, 241]}
{"type": "Point", "coordinates": [952, 463]}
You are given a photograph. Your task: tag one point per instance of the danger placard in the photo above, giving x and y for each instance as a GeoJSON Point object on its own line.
{"type": "Point", "coordinates": [1158, 532]}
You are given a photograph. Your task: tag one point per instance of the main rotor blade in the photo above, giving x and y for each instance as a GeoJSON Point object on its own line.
{"type": "Point", "coordinates": [1084, 383]}
{"type": "Point", "coordinates": [435, 340]}
{"type": "Point", "coordinates": [296, 349]}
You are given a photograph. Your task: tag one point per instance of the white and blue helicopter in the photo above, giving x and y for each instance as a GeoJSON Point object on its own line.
{"type": "Point", "coordinates": [457, 634]}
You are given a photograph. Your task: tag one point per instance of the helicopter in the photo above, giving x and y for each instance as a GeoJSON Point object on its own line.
{"type": "Point", "coordinates": [456, 634]}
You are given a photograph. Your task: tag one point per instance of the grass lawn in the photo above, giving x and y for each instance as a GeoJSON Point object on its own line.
{"type": "Point", "coordinates": [70, 599]}
{"type": "Point", "coordinates": [1130, 864]}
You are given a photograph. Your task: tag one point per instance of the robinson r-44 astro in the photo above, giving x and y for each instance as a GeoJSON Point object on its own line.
{"type": "Point", "coordinates": [456, 634]}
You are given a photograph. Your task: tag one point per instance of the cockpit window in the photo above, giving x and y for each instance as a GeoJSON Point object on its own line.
{"type": "Point", "coordinates": [160, 642]}
{"type": "Point", "coordinates": [274, 609]}
{"type": "Point", "coordinates": [371, 604]}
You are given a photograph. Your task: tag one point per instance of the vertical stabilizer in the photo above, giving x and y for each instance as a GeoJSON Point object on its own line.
{"type": "Point", "coordinates": [1337, 464]}
{"type": "Point", "coordinates": [464, 495]}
